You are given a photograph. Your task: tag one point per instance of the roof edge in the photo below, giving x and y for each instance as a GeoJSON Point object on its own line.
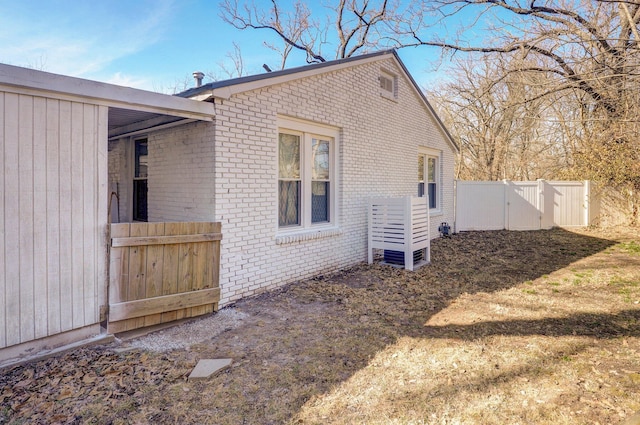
{"type": "Point", "coordinates": [225, 88]}
{"type": "Point", "coordinates": [109, 94]}
{"type": "Point", "coordinates": [439, 122]}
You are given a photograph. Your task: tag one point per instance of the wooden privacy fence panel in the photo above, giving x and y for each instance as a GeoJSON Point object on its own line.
{"type": "Point", "coordinates": [529, 205]}
{"type": "Point", "coordinates": [161, 272]}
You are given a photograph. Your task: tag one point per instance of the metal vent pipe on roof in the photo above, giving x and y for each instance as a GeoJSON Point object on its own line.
{"type": "Point", "coordinates": [198, 76]}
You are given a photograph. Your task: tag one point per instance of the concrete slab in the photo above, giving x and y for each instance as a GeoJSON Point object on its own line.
{"type": "Point", "coordinates": [208, 367]}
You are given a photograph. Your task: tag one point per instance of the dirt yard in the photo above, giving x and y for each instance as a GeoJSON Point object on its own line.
{"type": "Point", "coordinates": [502, 328]}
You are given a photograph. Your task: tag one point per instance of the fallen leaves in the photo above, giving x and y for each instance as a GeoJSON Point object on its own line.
{"type": "Point", "coordinates": [460, 327]}
{"type": "Point", "coordinates": [95, 378]}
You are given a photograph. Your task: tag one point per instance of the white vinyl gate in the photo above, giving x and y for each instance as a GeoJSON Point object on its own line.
{"type": "Point", "coordinates": [530, 205]}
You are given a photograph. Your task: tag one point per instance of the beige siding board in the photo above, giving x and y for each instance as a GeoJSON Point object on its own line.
{"type": "Point", "coordinates": [212, 267]}
{"type": "Point", "coordinates": [3, 300]}
{"type": "Point", "coordinates": [77, 214]}
{"type": "Point", "coordinates": [53, 217]}
{"type": "Point", "coordinates": [164, 240]}
{"type": "Point", "coordinates": [89, 181]}
{"type": "Point", "coordinates": [101, 250]}
{"type": "Point", "coordinates": [40, 276]}
{"type": "Point", "coordinates": [215, 266]}
{"type": "Point", "coordinates": [66, 216]}
{"type": "Point", "coordinates": [12, 226]}
{"type": "Point", "coordinates": [25, 247]}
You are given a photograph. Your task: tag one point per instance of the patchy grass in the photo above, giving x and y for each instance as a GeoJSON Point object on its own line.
{"type": "Point", "coordinates": [503, 327]}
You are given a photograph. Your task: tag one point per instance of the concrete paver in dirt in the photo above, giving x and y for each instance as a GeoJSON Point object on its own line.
{"type": "Point", "coordinates": [208, 367]}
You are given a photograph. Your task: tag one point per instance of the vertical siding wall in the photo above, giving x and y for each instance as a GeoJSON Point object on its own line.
{"type": "Point", "coordinates": [53, 157]}
{"type": "Point", "coordinates": [378, 149]}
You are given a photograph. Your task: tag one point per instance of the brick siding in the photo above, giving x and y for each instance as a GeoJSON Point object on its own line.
{"type": "Point", "coordinates": [234, 162]}
{"type": "Point", "coordinates": [378, 150]}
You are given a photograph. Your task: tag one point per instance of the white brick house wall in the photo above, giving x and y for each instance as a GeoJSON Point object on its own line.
{"type": "Point", "coordinates": [118, 181]}
{"type": "Point", "coordinates": [227, 171]}
{"type": "Point", "coordinates": [181, 173]}
{"type": "Point", "coordinates": [378, 149]}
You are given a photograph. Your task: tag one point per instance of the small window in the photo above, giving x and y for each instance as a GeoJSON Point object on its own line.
{"type": "Point", "coordinates": [141, 164]}
{"type": "Point", "coordinates": [428, 178]}
{"type": "Point", "coordinates": [388, 84]}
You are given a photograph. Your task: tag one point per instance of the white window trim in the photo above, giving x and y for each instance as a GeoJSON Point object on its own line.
{"type": "Point", "coordinates": [306, 229]}
{"type": "Point", "coordinates": [434, 153]}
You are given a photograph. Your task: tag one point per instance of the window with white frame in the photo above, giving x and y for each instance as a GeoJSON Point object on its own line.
{"type": "Point", "coordinates": [306, 176]}
{"type": "Point", "coordinates": [429, 178]}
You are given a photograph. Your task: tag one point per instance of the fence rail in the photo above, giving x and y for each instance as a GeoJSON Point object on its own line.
{"type": "Point", "coordinates": [161, 272]}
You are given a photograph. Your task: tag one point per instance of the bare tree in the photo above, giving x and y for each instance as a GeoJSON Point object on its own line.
{"type": "Point", "coordinates": [502, 124]}
{"type": "Point", "coordinates": [580, 44]}
{"type": "Point", "coordinates": [350, 26]}
{"type": "Point", "coordinates": [234, 70]}
{"type": "Point", "coordinates": [577, 60]}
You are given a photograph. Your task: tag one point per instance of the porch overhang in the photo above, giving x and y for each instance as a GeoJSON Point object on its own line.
{"type": "Point", "coordinates": [130, 110]}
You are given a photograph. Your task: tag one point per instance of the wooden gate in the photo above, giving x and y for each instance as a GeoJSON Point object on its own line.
{"type": "Point", "coordinates": [161, 272]}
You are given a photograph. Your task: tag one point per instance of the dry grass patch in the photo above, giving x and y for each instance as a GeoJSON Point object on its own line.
{"type": "Point", "coordinates": [504, 327]}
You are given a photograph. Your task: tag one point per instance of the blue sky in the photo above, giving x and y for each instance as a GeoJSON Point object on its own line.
{"type": "Point", "coordinates": [147, 44]}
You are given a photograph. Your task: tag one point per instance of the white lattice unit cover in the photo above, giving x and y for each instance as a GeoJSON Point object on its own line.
{"type": "Point", "coordinates": [400, 227]}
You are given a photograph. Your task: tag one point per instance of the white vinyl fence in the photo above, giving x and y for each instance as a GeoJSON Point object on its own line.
{"type": "Point", "coordinates": [528, 205]}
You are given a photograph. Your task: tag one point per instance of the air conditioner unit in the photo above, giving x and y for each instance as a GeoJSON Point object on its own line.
{"type": "Point", "coordinates": [400, 228]}
{"type": "Point", "coordinates": [397, 257]}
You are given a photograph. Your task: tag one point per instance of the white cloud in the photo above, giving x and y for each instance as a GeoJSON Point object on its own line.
{"type": "Point", "coordinates": [82, 38]}
{"type": "Point", "coordinates": [129, 81]}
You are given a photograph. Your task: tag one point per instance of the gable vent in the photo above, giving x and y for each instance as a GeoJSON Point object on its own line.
{"type": "Point", "coordinates": [386, 84]}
